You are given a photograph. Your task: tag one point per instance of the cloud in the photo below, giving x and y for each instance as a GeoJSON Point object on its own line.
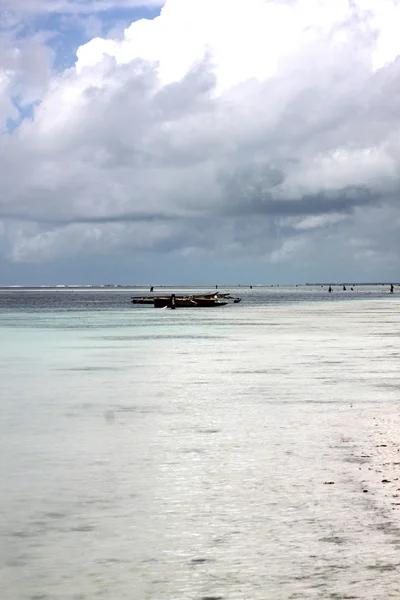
{"type": "Point", "coordinates": [25, 70]}
{"type": "Point", "coordinates": [264, 128]}
{"type": "Point", "coordinates": [316, 221]}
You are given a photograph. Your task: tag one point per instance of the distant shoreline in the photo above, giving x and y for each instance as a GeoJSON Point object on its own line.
{"type": "Point", "coordinates": [185, 286]}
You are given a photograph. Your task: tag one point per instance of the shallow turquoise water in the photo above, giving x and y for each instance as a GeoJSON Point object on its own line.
{"type": "Point", "coordinates": [150, 454]}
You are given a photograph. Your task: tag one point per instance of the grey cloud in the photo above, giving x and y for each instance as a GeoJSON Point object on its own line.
{"type": "Point", "coordinates": [25, 70]}
{"type": "Point", "coordinates": [340, 201]}
{"type": "Point", "coordinates": [171, 168]}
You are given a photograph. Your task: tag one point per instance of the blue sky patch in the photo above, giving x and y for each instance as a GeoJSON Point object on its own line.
{"type": "Point", "coordinates": [66, 32]}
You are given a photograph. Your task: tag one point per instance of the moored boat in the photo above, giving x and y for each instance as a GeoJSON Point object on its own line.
{"type": "Point", "coordinates": [186, 300]}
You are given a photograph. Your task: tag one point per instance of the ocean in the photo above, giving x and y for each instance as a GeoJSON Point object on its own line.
{"type": "Point", "coordinates": [249, 452]}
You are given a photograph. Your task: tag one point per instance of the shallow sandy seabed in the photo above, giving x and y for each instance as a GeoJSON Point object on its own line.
{"type": "Point", "coordinates": [246, 455]}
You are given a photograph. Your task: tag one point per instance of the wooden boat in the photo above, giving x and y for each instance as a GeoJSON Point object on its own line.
{"type": "Point", "coordinates": [186, 301]}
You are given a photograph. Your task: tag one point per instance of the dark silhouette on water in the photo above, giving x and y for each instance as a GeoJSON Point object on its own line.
{"type": "Point", "coordinates": [391, 288]}
{"type": "Point", "coordinates": [329, 289]}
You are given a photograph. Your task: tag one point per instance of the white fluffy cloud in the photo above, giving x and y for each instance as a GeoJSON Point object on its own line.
{"type": "Point", "coordinates": [269, 128]}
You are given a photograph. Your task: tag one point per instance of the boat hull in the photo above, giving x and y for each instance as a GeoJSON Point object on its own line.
{"type": "Point", "coordinates": [192, 301]}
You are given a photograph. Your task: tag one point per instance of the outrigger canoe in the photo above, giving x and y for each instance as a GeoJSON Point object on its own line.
{"type": "Point", "coordinates": [186, 301]}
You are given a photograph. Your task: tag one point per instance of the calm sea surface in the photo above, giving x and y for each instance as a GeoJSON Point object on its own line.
{"type": "Point", "coordinates": [200, 454]}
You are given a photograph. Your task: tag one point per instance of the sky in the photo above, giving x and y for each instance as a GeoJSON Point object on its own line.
{"type": "Point", "coordinates": [199, 141]}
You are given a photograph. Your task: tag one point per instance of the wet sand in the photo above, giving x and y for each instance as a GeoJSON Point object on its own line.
{"type": "Point", "coordinates": [375, 449]}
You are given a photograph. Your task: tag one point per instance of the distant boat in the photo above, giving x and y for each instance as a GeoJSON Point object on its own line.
{"type": "Point", "coordinates": [186, 300]}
